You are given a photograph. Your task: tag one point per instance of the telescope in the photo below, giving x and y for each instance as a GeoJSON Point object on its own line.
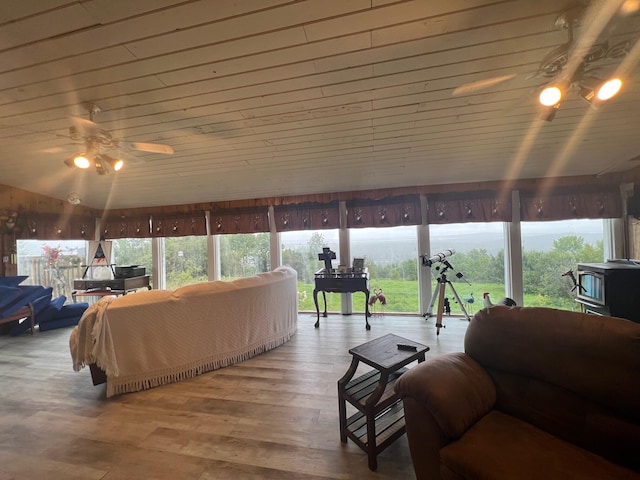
{"type": "Point", "coordinates": [439, 257]}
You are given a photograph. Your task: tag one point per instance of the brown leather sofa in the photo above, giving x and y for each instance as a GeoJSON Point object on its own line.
{"type": "Point", "coordinates": [538, 394]}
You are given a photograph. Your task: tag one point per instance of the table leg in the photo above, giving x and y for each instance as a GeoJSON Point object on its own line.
{"type": "Point", "coordinates": [324, 299]}
{"type": "Point", "coordinates": [342, 406]}
{"type": "Point", "coordinates": [315, 301]}
{"type": "Point", "coordinates": [370, 409]}
{"type": "Point", "coordinates": [367, 313]}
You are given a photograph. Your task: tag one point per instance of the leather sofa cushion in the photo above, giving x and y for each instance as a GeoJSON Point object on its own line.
{"type": "Point", "coordinates": [502, 447]}
{"type": "Point", "coordinates": [597, 358]}
{"type": "Point", "coordinates": [454, 389]}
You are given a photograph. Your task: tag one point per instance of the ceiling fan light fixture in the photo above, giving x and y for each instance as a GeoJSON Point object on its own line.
{"type": "Point", "coordinates": [609, 89]}
{"type": "Point", "coordinates": [100, 166]}
{"type": "Point", "coordinates": [549, 113]}
{"type": "Point", "coordinates": [115, 164]}
{"type": "Point", "coordinates": [597, 92]}
{"type": "Point", "coordinates": [81, 161]}
{"type": "Point", "coordinates": [550, 96]}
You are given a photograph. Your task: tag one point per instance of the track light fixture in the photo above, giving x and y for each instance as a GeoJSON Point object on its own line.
{"type": "Point", "coordinates": [115, 163]}
{"type": "Point", "coordinates": [551, 96]}
{"type": "Point", "coordinates": [550, 112]}
{"type": "Point", "coordinates": [591, 89]}
{"type": "Point", "coordinates": [596, 92]}
{"type": "Point", "coordinates": [102, 163]}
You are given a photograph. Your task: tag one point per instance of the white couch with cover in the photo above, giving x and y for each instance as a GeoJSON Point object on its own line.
{"type": "Point", "coordinates": [155, 337]}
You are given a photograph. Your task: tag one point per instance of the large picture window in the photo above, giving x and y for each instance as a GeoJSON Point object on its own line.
{"type": "Point", "coordinates": [133, 251]}
{"type": "Point", "coordinates": [243, 255]}
{"type": "Point", "coordinates": [550, 249]}
{"type": "Point", "coordinates": [300, 251]}
{"type": "Point", "coordinates": [478, 258]}
{"type": "Point", "coordinates": [185, 260]}
{"type": "Point", "coordinates": [54, 263]}
{"type": "Point", "coordinates": [391, 255]}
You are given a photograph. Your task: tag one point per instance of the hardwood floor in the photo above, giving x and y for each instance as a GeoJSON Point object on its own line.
{"type": "Point", "coordinates": [274, 416]}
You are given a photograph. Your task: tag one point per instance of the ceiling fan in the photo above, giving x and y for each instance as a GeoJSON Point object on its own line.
{"type": "Point", "coordinates": [101, 149]}
{"type": "Point", "coordinates": [571, 65]}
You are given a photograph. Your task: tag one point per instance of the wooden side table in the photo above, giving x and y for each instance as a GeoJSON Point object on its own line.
{"type": "Point", "coordinates": [380, 417]}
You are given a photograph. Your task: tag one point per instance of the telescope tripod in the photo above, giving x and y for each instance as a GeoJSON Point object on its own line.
{"type": "Point", "coordinates": [438, 294]}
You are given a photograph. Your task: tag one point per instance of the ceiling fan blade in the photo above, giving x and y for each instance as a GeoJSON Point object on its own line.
{"type": "Point", "coordinates": [148, 147]}
{"type": "Point", "coordinates": [81, 129]}
{"type": "Point", "coordinates": [471, 87]}
{"type": "Point", "coordinates": [128, 157]}
{"type": "Point", "coordinates": [84, 124]}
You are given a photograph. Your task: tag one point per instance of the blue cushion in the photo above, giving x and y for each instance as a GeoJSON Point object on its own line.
{"type": "Point", "coordinates": [51, 314]}
{"type": "Point", "coordinates": [67, 316]}
{"type": "Point", "coordinates": [59, 323]}
{"type": "Point", "coordinates": [8, 295]}
{"type": "Point", "coordinates": [73, 309]}
{"type": "Point", "coordinates": [51, 311]}
{"type": "Point", "coordinates": [58, 303]}
{"type": "Point", "coordinates": [41, 303]}
{"type": "Point", "coordinates": [46, 315]}
{"type": "Point", "coordinates": [29, 294]}
{"type": "Point", "coordinates": [13, 281]}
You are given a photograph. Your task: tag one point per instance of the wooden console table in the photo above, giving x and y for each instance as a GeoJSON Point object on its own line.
{"type": "Point", "coordinates": [380, 416]}
{"type": "Point", "coordinates": [339, 282]}
{"type": "Point", "coordinates": [102, 288]}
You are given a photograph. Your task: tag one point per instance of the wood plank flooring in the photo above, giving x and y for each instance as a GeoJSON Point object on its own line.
{"type": "Point", "coordinates": [274, 416]}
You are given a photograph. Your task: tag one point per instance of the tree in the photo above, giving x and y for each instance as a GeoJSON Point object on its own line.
{"type": "Point", "coordinates": [244, 254]}
{"type": "Point", "coordinates": [133, 251]}
{"type": "Point", "coordinates": [185, 260]}
{"type": "Point", "coordinates": [543, 270]}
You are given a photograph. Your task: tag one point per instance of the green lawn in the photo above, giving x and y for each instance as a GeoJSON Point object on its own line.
{"type": "Point", "coordinates": [402, 297]}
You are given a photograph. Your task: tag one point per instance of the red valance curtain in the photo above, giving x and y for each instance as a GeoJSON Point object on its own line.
{"type": "Point", "coordinates": [307, 216]}
{"type": "Point", "coordinates": [480, 206]}
{"type": "Point", "coordinates": [567, 203]}
{"type": "Point", "coordinates": [179, 225]}
{"type": "Point", "coordinates": [386, 212]}
{"type": "Point", "coordinates": [53, 226]}
{"type": "Point", "coordinates": [239, 220]}
{"type": "Point", "coordinates": [125, 227]}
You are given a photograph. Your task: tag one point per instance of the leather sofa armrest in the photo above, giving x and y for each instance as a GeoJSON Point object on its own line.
{"type": "Point", "coordinates": [453, 388]}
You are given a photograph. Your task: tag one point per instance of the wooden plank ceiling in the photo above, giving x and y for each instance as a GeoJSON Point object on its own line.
{"type": "Point", "coordinates": [263, 98]}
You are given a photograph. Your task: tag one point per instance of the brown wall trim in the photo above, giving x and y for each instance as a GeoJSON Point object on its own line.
{"type": "Point", "coordinates": [11, 197]}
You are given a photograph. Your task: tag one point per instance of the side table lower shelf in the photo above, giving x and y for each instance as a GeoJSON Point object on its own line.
{"type": "Point", "coordinates": [381, 421]}
{"type": "Point", "coordinates": [389, 426]}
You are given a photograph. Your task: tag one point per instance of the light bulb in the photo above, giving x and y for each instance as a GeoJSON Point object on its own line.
{"type": "Point", "coordinates": [81, 161]}
{"type": "Point", "coordinates": [118, 164]}
{"type": "Point", "coordinates": [550, 96]}
{"type": "Point", "coordinates": [609, 89]}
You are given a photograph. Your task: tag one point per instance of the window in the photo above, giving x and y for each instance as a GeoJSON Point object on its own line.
{"type": "Point", "coordinates": [478, 258]}
{"type": "Point", "coordinates": [300, 251]}
{"type": "Point", "coordinates": [550, 249]}
{"type": "Point", "coordinates": [185, 260]}
{"type": "Point", "coordinates": [54, 263]}
{"type": "Point", "coordinates": [391, 255]}
{"type": "Point", "coordinates": [243, 255]}
{"type": "Point", "coordinates": [133, 251]}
